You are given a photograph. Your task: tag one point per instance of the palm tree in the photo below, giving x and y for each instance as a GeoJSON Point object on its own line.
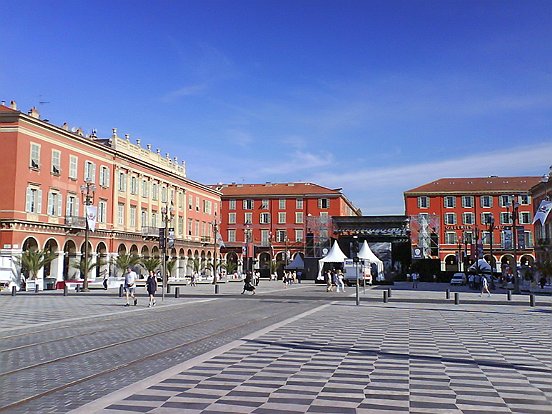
{"type": "Point", "coordinates": [196, 265]}
{"type": "Point", "coordinates": [123, 261]}
{"type": "Point", "coordinates": [32, 261]}
{"type": "Point", "coordinates": [151, 264]}
{"type": "Point", "coordinates": [230, 267]}
{"type": "Point", "coordinates": [86, 266]}
{"type": "Point", "coordinates": [170, 265]}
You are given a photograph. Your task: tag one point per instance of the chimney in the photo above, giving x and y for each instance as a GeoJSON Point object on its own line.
{"type": "Point", "coordinates": [34, 113]}
{"type": "Point", "coordinates": [13, 105]}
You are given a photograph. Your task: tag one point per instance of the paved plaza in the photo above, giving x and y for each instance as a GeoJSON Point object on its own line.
{"type": "Point", "coordinates": [418, 353]}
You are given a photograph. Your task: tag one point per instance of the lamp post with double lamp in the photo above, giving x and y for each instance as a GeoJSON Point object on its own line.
{"type": "Point", "coordinates": [215, 242]}
{"type": "Point", "coordinates": [490, 228]}
{"type": "Point", "coordinates": [514, 215]}
{"type": "Point", "coordinates": [247, 245]}
{"type": "Point", "coordinates": [167, 214]}
{"type": "Point", "coordinates": [88, 190]}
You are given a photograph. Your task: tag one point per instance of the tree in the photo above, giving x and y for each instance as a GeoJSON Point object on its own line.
{"type": "Point", "coordinates": [32, 261]}
{"type": "Point", "coordinates": [151, 264]}
{"type": "Point", "coordinates": [123, 261]}
{"type": "Point", "coordinates": [230, 267]}
{"type": "Point", "coordinates": [170, 267]}
{"type": "Point", "coordinates": [86, 266]}
{"type": "Point", "coordinates": [196, 265]}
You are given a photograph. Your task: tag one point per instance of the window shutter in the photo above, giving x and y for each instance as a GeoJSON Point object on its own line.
{"type": "Point", "coordinates": [58, 212]}
{"type": "Point", "coordinates": [39, 201]}
{"type": "Point", "coordinates": [76, 212]}
{"type": "Point", "coordinates": [51, 208]}
{"type": "Point", "coordinates": [29, 200]}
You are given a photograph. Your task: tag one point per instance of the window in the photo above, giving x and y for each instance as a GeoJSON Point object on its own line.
{"type": "Point", "coordinates": [486, 201]}
{"type": "Point", "coordinates": [231, 218]}
{"type": "Point", "coordinates": [197, 203]}
{"type": "Point", "coordinates": [190, 202]}
{"type": "Point", "coordinates": [132, 216]}
{"type": "Point", "coordinates": [299, 204]}
{"type": "Point", "coordinates": [34, 200]}
{"type": "Point", "coordinates": [264, 218]}
{"type": "Point", "coordinates": [423, 202]}
{"type": "Point", "coordinates": [505, 218]}
{"type": "Point", "coordinates": [180, 225]}
{"type": "Point", "coordinates": [73, 164]}
{"type": "Point", "coordinates": [468, 237]}
{"type": "Point", "coordinates": [145, 187]}
{"type": "Point", "coordinates": [207, 206]}
{"type": "Point", "coordinates": [298, 217]}
{"type": "Point", "coordinates": [265, 237]}
{"type": "Point", "coordinates": [524, 200]}
{"type": "Point", "coordinates": [72, 205]}
{"type": "Point", "coordinates": [505, 200]}
{"type": "Point", "coordinates": [180, 200]}
{"type": "Point", "coordinates": [231, 235]}
{"type": "Point", "coordinates": [154, 219]}
{"type": "Point", "coordinates": [468, 218]}
{"type": "Point", "coordinates": [450, 218]}
{"type": "Point", "coordinates": [323, 203]}
{"type": "Point", "coordinates": [104, 176]}
{"type": "Point", "coordinates": [298, 235]}
{"type": "Point", "coordinates": [163, 194]}
{"type": "Point", "coordinates": [133, 185]}
{"type": "Point", "coordinates": [248, 204]}
{"type": "Point", "coordinates": [196, 228]}
{"type": "Point", "coordinates": [56, 162]}
{"type": "Point", "coordinates": [121, 214]}
{"type": "Point", "coordinates": [155, 191]}
{"type": "Point", "coordinates": [529, 239]}
{"type": "Point", "coordinates": [281, 236]}
{"type": "Point", "coordinates": [524, 217]}
{"type": "Point", "coordinates": [450, 237]}
{"type": "Point", "coordinates": [34, 161]}
{"type": "Point", "coordinates": [264, 204]}
{"type": "Point", "coordinates": [324, 217]}
{"type": "Point", "coordinates": [102, 211]}
{"type": "Point", "coordinates": [144, 217]}
{"type": "Point", "coordinates": [486, 237]}
{"type": "Point", "coordinates": [248, 218]}
{"type": "Point", "coordinates": [486, 218]}
{"type": "Point", "coordinates": [54, 203]}
{"type": "Point", "coordinates": [231, 204]}
{"type": "Point", "coordinates": [89, 171]}
{"type": "Point", "coordinates": [467, 201]}
{"type": "Point", "coordinates": [282, 204]}
{"type": "Point", "coordinates": [122, 181]}
{"type": "Point", "coordinates": [190, 223]}
{"type": "Point", "coordinates": [281, 218]}
{"type": "Point", "coordinates": [450, 202]}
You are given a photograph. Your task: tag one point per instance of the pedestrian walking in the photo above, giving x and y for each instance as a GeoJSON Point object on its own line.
{"type": "Point", "coordinates": [415, 277]}
{"type": "Point", "coordinates": [248, 284]}
{"type": "Point", "coordinates": [484, 287]}
{"type": "Point", "coordinates": [151, 286]}
{"type": "Point", "coordinates": [340, 284]}
{"type": "Point", "coordinates": [130, 286]}
{"type": "Point", "coordinates": [329, 287]}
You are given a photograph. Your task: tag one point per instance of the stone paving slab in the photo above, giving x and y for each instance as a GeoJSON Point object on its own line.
{"type": "Point", "coordinates": [372, 358]}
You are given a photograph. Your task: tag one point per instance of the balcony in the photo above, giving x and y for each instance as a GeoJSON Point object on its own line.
{"type": "Point", "coordinates": [75, 223]}
{"type": "Point", "coordinates": [206, 239]}
{"type": "Point", "coordinates": [150, 232]}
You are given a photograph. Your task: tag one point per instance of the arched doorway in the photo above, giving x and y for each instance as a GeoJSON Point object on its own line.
{"type": "Point", "coordinates": [264, 264]}
{"type": "Point", "coordinates": [52, 269]}
{"type": "Point", "coordinates": [69, 257]}
{"type": "Point", "coordinates": [451, 263]}
{"type": "Point", "coordinates": [102, 270]}
{"type": "Point", "coordinates": [145, 252]}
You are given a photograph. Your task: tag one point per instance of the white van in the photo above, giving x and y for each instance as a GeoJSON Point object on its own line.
{"type": "Point", "coordinates": [350, 268]}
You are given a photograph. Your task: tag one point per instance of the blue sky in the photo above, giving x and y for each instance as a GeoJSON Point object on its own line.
{"type": "Point", "coordinates": [375, 97]}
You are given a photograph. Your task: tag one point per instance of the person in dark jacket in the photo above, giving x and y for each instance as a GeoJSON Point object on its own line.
{"type": "Point", "coordinates": [248, 283]}
{"type": "Point", "coordinates": [151, 286]}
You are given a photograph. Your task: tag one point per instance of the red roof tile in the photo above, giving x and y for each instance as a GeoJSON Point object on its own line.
{"type": "Point", "coordinates": [275, 189]}
{"type": "Point", "coordinates": [476, 185]}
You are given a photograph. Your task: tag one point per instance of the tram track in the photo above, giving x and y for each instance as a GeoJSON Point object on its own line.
{"type": "Point", "coordinates": [128, 363]}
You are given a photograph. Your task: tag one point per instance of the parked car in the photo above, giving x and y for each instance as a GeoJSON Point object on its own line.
{"type": "Point", "coordinates": [458, 279]}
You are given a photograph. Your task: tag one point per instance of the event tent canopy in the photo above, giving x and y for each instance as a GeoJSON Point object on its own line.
{"type": "Point", "coordinates": [367, 254]}
{"type": "Point", "coordinates": [296, 264]}
{"type": "Point", "coordinates": [335, 255]}
{"type": "Point", "coordinates": [481, 266]}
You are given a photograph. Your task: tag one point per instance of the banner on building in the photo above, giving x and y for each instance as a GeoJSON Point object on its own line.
{"type": "Point", "coordinates": [91, 216]}
{"type": "Point", "coordinates": [520, 237]}
{"type": "Point", "coordinates": [508, 245]}
{"type": "Point", "coordinates": [543, 211]}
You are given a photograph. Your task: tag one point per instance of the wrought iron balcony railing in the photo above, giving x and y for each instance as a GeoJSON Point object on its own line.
{"type": "Point", "coordinates": [150, 231]}
{"type": "Point", "coordinates": [75, 222]}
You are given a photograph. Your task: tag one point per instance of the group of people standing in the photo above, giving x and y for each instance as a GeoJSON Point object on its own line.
{"type": "Point", "coordinates": [130, 287]}
{"type": "Point", "coordinates": [334, 277]}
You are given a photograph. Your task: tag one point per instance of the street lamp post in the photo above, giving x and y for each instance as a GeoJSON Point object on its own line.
{"type": "Point", "coordinates": [247, 245]}
{"type": "Point", "coordinates": [87, 191]}
{"type": "Point", "coordinates": [515, 207]}
{"type": "Point", "coordinates": [167, 213]}
{"type": "Point", "coordinates": [215, 275]}
{"type": "Point", "coordinates": [490, 228]}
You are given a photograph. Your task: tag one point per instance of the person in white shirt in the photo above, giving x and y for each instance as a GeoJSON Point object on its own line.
{"type": "Point", "coordinates": [484, 287]}
{"type": "Point", "coordinates": [130, 286]}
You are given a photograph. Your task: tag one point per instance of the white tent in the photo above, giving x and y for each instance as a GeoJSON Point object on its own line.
{"type": "Point", "coordinates": [481, 266]}
{"type": "Point", "coordinates": [368, 255]}
{"type": "Point", "coordinates": [335, 255]}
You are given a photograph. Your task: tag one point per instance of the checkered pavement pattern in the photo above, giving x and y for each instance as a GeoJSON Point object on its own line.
{"type": "Point", "coordinates": [372, 359]}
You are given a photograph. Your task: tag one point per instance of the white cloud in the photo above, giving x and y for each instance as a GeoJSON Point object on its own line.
{"type": "Point", "coordinates": [189, 90]}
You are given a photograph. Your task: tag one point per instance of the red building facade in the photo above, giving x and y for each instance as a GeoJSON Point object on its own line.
{"type": "Point", "coordinates": [137, 191]}
{"type": "Point", "coordinates": [456, 220]}
{"type": "Point", "coordinates": [273, 222]}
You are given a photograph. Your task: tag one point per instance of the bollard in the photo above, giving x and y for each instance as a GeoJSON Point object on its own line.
{"type": "Point", "coordinates": [384, 296]}
{"type": "Point", "coordinates": [509, 295]}
{"type": "Point", "coordinates": [36, 288]}
{"type": "Point", "coordinates": [448, 293]}
{"type": "Point", "coordinates": [456, 298]}
{"type": "Point", "coordinates": [216, 288]}
{"type": "Point", "coordinates": [14, 289]}
{"type": "Point", "coordinates": [77, 289]}
{"type": "Point", "coordinates": [121, 291]}
{"type": "Point", "coordinates": [389, 292]}
{"type": "Point", "coordinates": [177, 292]}
{"type": "Point", "coordinates": [532, 300]}
{"type": "Point", "coordinates": [65, 290]}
